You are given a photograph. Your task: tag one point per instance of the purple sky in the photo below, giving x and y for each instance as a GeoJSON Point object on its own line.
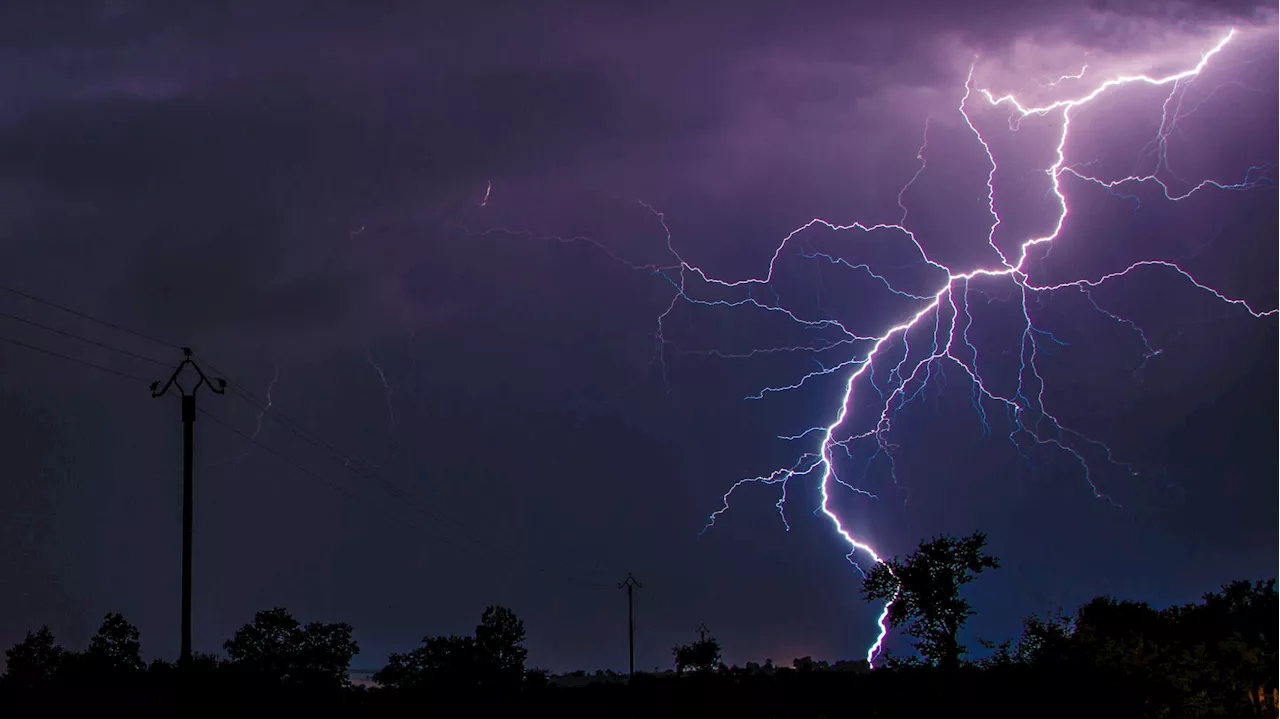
{"type": "Point", "coordinates": [297, 193]}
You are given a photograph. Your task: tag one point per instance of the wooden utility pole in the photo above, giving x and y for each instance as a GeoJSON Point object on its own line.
{"type": "Point", "coordinates": [630, 583]}
{"type": "Point", "coordinates": [218, 386]}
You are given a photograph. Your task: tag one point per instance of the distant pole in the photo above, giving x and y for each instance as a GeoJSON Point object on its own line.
{"type": "Point", "coordinates": [630, 584]}
{"type": "Point", "coordinates": [218, 386]}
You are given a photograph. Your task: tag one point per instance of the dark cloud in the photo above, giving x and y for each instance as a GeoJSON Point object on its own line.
{"type": "Point", "coordinates": [209, 182]}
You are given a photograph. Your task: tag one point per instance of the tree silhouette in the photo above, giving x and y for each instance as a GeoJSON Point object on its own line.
{"type": "Point", "coordinates": [925, 589]}
{"type": "Point", "coordinates": [500, 648]}
{"type": "Point", "coordinates": [275, 647]}
{"type": "Point", "coordinates": [1111, 657]}
{"type": "Point", "coordinates": [493, 660]}
{"type": "Point", "coordinates": [1214, 657]}
{"type": "Point", "coordinates": [702, 655]}
{"type": "Point", "coordinates": [115, 648]}
{"type": "Point", "coordinates": [1245, 648]}
{"type": "Point", "coordinates": [807, 664]}
{"type": "Point", "coordinates": [441, 663]}
{"type": "Point", "coordinates": [34, 661]}
{"type": "Point", "coordinates": [1045, 640]}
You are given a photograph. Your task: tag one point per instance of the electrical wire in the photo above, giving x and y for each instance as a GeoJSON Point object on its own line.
{"type": "Point", "coordinates": [86, 340]}
{"type": "Point", "coordinates": [69, 358]}
{"type": "Point", "coordinates": [89, 317]}
{"type": "Point", "coordinates": [313, 475]}
{"type": "Point", "coordinates": [241, 392]}
{"type": "Point", "coordinates": [476, 546]}
{"type": "Point", "coordinates": [339, 456]}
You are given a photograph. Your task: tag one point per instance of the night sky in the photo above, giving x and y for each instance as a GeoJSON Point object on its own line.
{"type": "Point", "coordinates": [432, 236]}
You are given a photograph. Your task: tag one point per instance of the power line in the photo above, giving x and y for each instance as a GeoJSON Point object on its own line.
{"type": "Point", "coordinates": [244, 394]}
{"type": "Point", "coordinates": [226, 426]}
{"type": "Point", "coordinates": [335, 454]}
{"type": "Point", "coordinates": [89, 317]}
{"type": "Point", "coordinates": [86, 340]}
{"type": "Point", "coordinates": [297, 429]}
{"type": "Point", "coordinates": [394, 490]}
{"type": "Point", "coordinates": [285, 421]}
{"type": "Point", "coordinates": [69, 358]}
{"type": "Point", "coordinates": [279, 417]}
{"type": "Point", "coordinates": [630, 584]}
{"type": "Point", "coordinates": [276, 416]}
{"type": "Point", "coordinates": [435, 536]}
{"type": "Point", "coordinates": [218, 386]}
{"type": "Point", "coordinates": [313, 475]}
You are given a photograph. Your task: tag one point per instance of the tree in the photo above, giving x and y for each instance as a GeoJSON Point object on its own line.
{"type": "Point", "coordinates": [500, 646]}
{"type": "Point", "coordinates": [702, 655]}
{"type": "Point", "coordinates": [441, 663]}
{"type": "Point", "coordinates": [492, 660]}
{"type": "Point", "coordinates": [1246, 613]}
{"type": "Point", "coordinates": [267, 646]}
{"type": "Point", "coordinates": [1221, 654]}
{"type": "Point", "coordinates": [1045, 641]}
{"type": "Point", "coordinates": [807, 664]}
{"type": "Point", "coordinates": [115, 648]}
{"type": "Point", "coordinates": [35, 660]}
{"type": "Point", "coordinates": [1146, 655]}
{"type": "Point", "coordinates": [324, 653]}
{"type": "Point", "coordinates": [277, 648]}
{"type": "Point", "coordinates": [924, 591]}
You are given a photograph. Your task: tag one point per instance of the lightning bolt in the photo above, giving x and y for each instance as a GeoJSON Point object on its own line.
{"type": "Point", "coordinates": [488, 188]}
{"type": "Point", "coordinates": [946, 319]}
{"type": "Point", "coordinates": [275, 377]}
{"type": "Point", "coordinates": [257, 428]}
{"type": "Point", "coordinates": [391, 409]}
{"type": "Point", "coordinates": [1070, 76]}
{"type": "Point", "coordinates": [900, 361]}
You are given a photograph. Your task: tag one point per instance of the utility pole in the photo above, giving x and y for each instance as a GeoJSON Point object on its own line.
{"type": "Point", "coordinates": [218, 386]}
{"type": "Point", "coordinates": [630, 584]}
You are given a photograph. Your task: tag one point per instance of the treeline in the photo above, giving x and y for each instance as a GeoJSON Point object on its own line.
{"type": "Point", "coordinates": [1216, 657]}
{"type": "Point", "coordinates": [274, 657]}
{"type": "Point", "coordinates": [1110, 658]}
{"type": "Point", "coordinates": [275, 661]}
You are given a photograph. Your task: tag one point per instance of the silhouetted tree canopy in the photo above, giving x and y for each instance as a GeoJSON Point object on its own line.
{"type": "Point", "coordinates": [807, 664]}
{"type": "Point", "coordinates": [34, 661]}
{"type": "Point", "coordinates": [1109, 658]}
{"type": "Point", "coordinates": [276, 647]}
{"type": "Point", "coordinates": [701, 656]}
{"type": "Point", "coordinates": [500, 647]}
{"type": "Point", "coordinates": [442, 663]}
{"type": "Point", "coordinates": [492, 660]}
{"type": "Point", "coordinates": [925, 589]}
{"type": "Point", "coordinates": [116, 647]}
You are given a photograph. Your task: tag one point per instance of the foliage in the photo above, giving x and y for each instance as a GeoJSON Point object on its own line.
{"type": "Point", "coordinates": [1109, 658]}
{"type": "Point", "coordinates": [925, 591]}
{"type": "Point", "coordinates": [440, 663]}
{"type": "Point", "coordinates": [493, 660]}
{"type": "Point", "coordinates": [700, 656]}
{"type": "Point", "coordinates": [1211, 658]}
{"type": "Point", "coordinates": [116, 647]}
{"type": "Point", "coordinates": [34, 661]}
{"type": "Point", "coordinates": [275, 647]}
{"type": "Point", "coordinates": [500, 648]}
